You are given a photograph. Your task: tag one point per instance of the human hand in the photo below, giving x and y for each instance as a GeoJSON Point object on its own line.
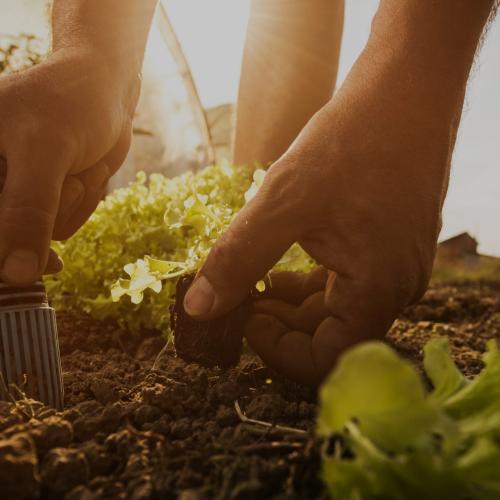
{"type": "Point", "coordinates": [290, 302]}
{"type": "Point", "coordinates": [65, 129]}
{"type": "Point", "coordinates": [361, 190]}
{"type": "Point", "coordinates": [54, 262]}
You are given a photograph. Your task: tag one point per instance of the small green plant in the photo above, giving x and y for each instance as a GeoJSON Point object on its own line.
{"type": "Point", "coordinates": [155, 230]}
{"type": "Point", "coordinates": [392, 439]}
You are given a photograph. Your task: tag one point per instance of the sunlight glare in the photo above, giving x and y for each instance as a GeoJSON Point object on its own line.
{"type": "Point", "coordinates": [212, 34]}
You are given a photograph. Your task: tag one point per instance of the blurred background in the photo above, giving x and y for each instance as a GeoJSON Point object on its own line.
{"type": "Point", "coordinates": [191, 75]}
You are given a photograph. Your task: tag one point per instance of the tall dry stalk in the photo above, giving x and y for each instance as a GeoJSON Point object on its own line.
{"type": "Point", "coordinates": [168, 33]}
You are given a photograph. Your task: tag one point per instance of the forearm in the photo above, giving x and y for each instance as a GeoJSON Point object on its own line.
{"type": "Point", "coordinates": [289, 72]}
{"type": "Point", "coordinates": [117, 29]}
{"type": "Point", "coordinates": [422, 52]}
{"type": "Point", "coordinates": [410, 81]}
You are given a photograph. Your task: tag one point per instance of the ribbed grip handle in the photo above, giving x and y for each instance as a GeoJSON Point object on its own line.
{"type": "Point", "coordinates": [29, 346]}
{"type": "Point", "coordinates": [14, 297]}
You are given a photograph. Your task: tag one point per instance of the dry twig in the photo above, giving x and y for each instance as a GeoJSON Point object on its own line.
{"type": "Point", "coordinates": [6, 394]}
{"type": "Point", "coordinates": [268, 425]}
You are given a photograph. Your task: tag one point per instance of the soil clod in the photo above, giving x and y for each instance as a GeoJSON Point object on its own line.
{"type": "Point", "coordinates": [209, 343]}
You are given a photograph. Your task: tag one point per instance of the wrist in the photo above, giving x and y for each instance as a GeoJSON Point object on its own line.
{"type": "Point", "coordinates": [91, 57]}
{"type": "Point", "coordinates": [415, 64]}
{"type": "Point", "coordinates": [115, 31]}
{"type": "Point", "coordinates": [428, 46]}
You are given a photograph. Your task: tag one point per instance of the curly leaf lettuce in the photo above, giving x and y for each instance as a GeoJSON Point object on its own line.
{"type": "Point", "coordinates": [204, 218]}
{"type": "Point", "coordinates": [146, 273]}
{"type": "Point", "coordinates": [155, 230]}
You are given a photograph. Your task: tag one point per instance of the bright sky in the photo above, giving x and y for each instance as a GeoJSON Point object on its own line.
{"type": "Point", "coordinates": [212, 34]}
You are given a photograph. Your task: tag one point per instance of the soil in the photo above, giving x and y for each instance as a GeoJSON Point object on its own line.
{"type": "Point", "coordinates": [209, 343]}
{"type": "Point", "coordinates": [131, 431]}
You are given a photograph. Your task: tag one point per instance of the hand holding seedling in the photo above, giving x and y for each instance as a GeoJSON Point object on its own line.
{"type": "Point", "coordinates": [361, 190]}
{"type": "Point", "coordinates": [66, 127]}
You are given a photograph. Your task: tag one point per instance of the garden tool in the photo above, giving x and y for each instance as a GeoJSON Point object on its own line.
{"type": "Point", "coordinates": [30, 363]}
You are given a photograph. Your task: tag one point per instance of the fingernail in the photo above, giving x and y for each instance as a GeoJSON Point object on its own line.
{"type": "Point", "coordinates": [200, 297]}
{"type": "Point", "coordinates": [21, 266]}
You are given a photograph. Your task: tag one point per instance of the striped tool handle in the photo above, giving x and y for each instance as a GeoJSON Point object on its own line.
{"type": "Point", "coordinates": [29, 347]}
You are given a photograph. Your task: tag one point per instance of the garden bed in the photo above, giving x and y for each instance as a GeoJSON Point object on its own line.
{"type": "Point", "coordinates": [178, 430]}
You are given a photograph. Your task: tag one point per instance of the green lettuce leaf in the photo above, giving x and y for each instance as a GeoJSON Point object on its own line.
{"type": "Point", "coordinates": [382, 393]}
{"type": "Point", "coordinates": [441, 370]}
{"type": "Point", "coordinates": [482, 396]}
{"type": "Point", "coordinates": [453, 447]}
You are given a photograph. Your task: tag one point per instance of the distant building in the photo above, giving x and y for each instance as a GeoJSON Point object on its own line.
{"type": "Point", "coordinates": [458, 247]}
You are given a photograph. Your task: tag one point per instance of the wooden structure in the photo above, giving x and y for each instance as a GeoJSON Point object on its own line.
{"type": "Point", "coordinates": [458, 247]}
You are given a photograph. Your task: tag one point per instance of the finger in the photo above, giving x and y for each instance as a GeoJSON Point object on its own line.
{"type": "Point", "coordinates": [287, 351]}
{"type": "Point", "coordinates": [358, 310]}
{"type": "Point", "coordinates": [94, 182]}
{"type": "Point", "coordinates": [257, 238]}
{"type": "Point", "coordinates": [305, 317]}
{"type": "Point", "coordinates": [293, 287]}
{"type": "Point", "coordinates": [72, 193]}
{"type": "Point", "coordinates": [28, 208]}
{"type": "Point", "coordinates": [54, 263]}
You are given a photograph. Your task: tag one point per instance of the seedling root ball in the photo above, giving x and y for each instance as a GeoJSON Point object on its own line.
{"type": "Point", "coordinates": [209, 343]}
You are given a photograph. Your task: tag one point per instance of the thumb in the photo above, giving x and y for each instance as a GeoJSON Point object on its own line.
{"type": "Point", "coordinates": [28, 206]}
{"type": "Point", "coordinates": [256, 239]}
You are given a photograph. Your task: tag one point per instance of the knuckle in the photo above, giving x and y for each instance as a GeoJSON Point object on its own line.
{"type": "Point", "coordinates": [116, 157]}
{"type": "Point", "coordinates": [72, 185]}
{"type": "Point", "coordinates": [45, 134]}
{"type": "Point", "coordinates": [286, 191]}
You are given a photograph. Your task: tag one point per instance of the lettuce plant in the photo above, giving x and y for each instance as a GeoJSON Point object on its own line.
{"type": "Point", "coordinates": [154, 230]}
{"type": "Point", "coordinates": [391, 438]}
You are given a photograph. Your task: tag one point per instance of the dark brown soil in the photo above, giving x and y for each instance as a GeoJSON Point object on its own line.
{"type": "Point", "coordinates": [129, 431]}
{"type": "Point", "coordinates": [209, 343]}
